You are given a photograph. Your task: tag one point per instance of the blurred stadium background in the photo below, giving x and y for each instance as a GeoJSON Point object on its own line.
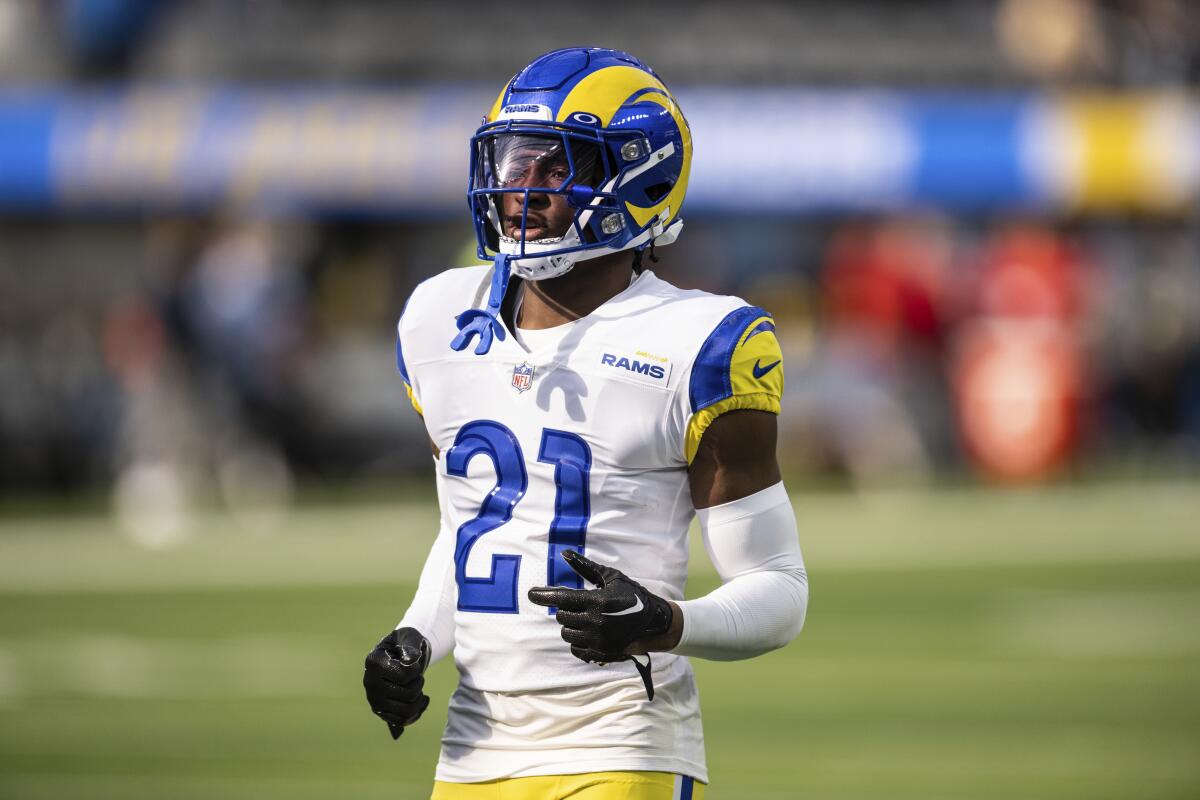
{"type": "Point", "coordinates": [975, 220]}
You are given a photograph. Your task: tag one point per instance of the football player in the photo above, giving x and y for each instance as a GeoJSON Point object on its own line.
{"type": "Point", "coordinates": [581, 412]}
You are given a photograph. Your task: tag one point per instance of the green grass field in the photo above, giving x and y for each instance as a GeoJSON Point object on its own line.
{"type": "Point", "coordinates": [960, 644]}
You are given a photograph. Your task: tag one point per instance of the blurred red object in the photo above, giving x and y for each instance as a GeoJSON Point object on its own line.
{"type": "Point", "coordinates": [1017, 386]}
{"type": "Point", "coordinates": [1017, 373]}
{"type": "Point", "coordinates": [1030, 272]}
{"type": "Point", "coordinates": [886, 284]}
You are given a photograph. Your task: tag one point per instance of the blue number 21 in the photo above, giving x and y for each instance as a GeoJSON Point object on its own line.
{"type": "Point", "coordinates": [572, 460]}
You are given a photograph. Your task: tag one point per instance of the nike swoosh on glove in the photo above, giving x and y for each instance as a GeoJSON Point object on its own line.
{"type": "Point", "coordinates": [394, 676]}
{"type": "Point", "coordinates": [600, 624]}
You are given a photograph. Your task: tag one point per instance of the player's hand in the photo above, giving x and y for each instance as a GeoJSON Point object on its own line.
{"type": "Point", "coordinates": [394, 677]}
{"type": "Point", "coordinates": [601, 624]}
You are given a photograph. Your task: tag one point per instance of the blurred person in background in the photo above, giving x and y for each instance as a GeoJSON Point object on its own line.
{"type": "Point", "coordinates": [1017, 365]}
{"type": "Point", "coordinates": [207, 358]}
{"type": "Point", "coordinates": [1146, 353]}
{"type": "Point", "coordinates": [874, 392]}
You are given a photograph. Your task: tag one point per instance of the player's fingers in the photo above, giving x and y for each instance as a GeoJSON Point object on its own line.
{"type": "Point", "coordinates": [575, 619]}
{"type": "Point", "coordinates": [380, 688]}
{"type": "Point", "coordinates": [586, 568]}
{"type": "Point", "coordinates": [407, 654]}
{"type": "Point", "coordinates": [393, 678]}
{"type": "Point", "coordinates": [380, 663]}
{"type": "Point", "coordinates": [407, 646]}
{"type": "Point", "coordinates": [387, 681]}
{"type": "Point", "coordinates": [420, 710]}
{"type": "Point", "coordinates": [542, 595]}
{"type": "Point", "coordinates": [408, 712]}
{"type": "Point", "coordinates": [558, 597]}
{"type": "Point", "coordinates": [375, 659]}
{"type": "Point", "coordinates": [576, 636]}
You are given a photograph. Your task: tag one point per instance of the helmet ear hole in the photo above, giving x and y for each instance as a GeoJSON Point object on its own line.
{"type": "Point", "coordinates": [589, 236]}
{"type": "Point", "coordinates": [658, 191]}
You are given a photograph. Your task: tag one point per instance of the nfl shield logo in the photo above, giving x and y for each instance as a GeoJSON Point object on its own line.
{"type": "Point", "coordinates": [522, 377]}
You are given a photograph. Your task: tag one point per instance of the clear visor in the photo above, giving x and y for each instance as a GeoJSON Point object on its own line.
{"type": "Point", "coordinates": [527, 161]}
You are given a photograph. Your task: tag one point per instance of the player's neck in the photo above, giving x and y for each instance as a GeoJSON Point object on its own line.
{"type": "Point", "coordinates": [589, 285]}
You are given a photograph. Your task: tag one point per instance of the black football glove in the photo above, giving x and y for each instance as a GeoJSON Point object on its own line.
{"type": "Point", "coordinates": [600, 624]}
{"type": "Point", "coordinates": [394, 677]}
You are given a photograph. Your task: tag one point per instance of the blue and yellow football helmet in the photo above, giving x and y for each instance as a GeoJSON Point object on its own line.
{"type": "Point", "coordinates": [597, 126]}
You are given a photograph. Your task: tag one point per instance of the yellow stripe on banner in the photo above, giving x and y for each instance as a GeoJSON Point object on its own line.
{"type": "Point", "coordinates": [1129, 153]}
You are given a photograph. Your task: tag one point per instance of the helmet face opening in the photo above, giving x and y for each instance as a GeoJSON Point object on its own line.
{"type": "Point", "coordinates": [540, 187]}
{"type": "Point", "coordinates": [535, 182]}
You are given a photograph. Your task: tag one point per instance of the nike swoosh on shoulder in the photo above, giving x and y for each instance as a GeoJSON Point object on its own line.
{"type": "Point", "coordinates": [637, 606]}
{"type": "Point", "coordinates": [760, 370]}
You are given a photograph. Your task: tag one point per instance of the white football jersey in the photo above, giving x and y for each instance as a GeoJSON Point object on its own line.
{"type": "Point", "coordinates": [580, 443]}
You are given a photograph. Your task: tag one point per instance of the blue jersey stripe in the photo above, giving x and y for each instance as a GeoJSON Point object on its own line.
{"type": "Point", "coordinates": [711, 381]}
{"type": "Point", "coordinates": [400, 362]}
{"type": "Point", "coordinates": [685, 788]}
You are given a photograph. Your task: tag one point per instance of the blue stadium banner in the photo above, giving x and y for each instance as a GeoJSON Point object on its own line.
{"type": "Point", "coordinates": [403, 150]}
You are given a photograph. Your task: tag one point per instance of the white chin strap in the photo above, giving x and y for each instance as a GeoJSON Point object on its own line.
{"type": "Point", "coordinates": [542, 259]}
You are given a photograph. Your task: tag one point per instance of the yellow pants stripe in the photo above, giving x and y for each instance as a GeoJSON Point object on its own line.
{"type": "Point", "coordinates": [589, 786]}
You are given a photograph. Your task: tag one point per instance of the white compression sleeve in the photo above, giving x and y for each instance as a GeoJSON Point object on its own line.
{"type": "Point", "coordinates": [432, 609]}
{"type": "Point", "coordinates": [754, 545]}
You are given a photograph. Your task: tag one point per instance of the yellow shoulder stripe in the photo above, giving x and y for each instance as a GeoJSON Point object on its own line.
{"type": "Point", "coordinates": [699, 422]}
